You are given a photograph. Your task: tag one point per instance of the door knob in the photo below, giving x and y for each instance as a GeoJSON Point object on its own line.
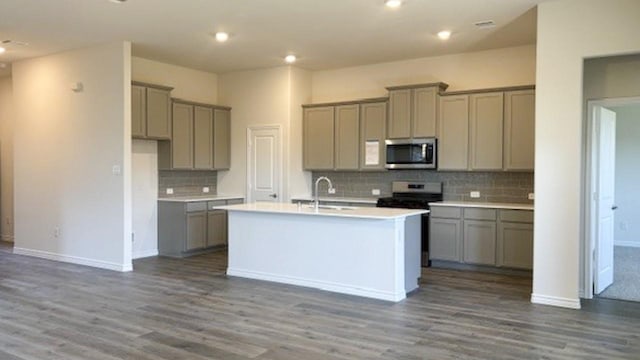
{"type": "Point", "coordinates": [273, 196]}
{"type": "Point", "coordinates": [614, 207]}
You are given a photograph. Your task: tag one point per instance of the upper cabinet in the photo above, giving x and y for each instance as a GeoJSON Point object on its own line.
{"type": "Point", "coordinates": [519, 129]}
{"type": "Point", "coordinates": [345, 136]}
{"type": "Point", "coordinates": [489, 130]}
{"type": "Point", "coordinates": [413, 110]}
{"type": "Point", "coordinates": [201, 138]}
{"type": "Point", "coordinates": [150, 111]}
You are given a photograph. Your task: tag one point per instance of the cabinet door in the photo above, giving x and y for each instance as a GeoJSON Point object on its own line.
{"type": "Point", "coordinates": [445, 239]}
{"type": "Point", "coordinates": [519, 129]}
{"type": "Point", "coordinates": [486, 124]}
{"type": "Point", "coordinates": [318, 138]}
{"type": "Point", "coordinates": [216, 228]}
{"type": "Point", "coordinates": [196, 230]}
{"type": "Point", "coordinates": [202, 137]}
{"type": "Point", "coordinates": [222, 139]}
{"type": "Point", "coordinates": [479, 246]}
{"type": "Point", "coordinates": [182, 141]}
{"type": "Point", "coordinates": [158, 114]}
{"type": "Point", "coordinates": [373, 118]}
{"type": "Point", "coordinates": [399, 126]}
{"type": "Point", "coordinates": [424, 112]}
{"type": "Point", "coordinates": [515, 245]}
{"type": "Point", "coordinates": [453, 133]}
{"type": "Point", "coordinates": [347, 133]}
{"type": "Point", "coordinates": [138, 111]}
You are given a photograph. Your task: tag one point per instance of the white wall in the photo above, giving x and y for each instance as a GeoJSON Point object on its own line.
{"type": "Point", "coordinates": [66, 144]}
{"type": "Point", "coordinates": [627, 227]}
{"type": "Point", "coordinates": [188, 84]}
{"type": "Point", "coordinates": [145, 198]}
{"type": "Point", "coordinates": [265, 97]}
{"type": "Point", "coordinates": [568, 32]}
{"type": "Point", "coordinates": [474, 70]}
{"type": "Point", "coordinates": [6, 159]}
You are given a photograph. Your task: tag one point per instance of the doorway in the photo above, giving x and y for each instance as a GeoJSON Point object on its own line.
{"type": "Point", "coordinates": [264, 163]}
{"type": "Point", "coordinates": [612, 255]}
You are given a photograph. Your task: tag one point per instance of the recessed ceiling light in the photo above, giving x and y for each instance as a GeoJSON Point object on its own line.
{"type": "Point", "coordinates": [2, 50]}
{"type": "Point", "coordinates": [444, 34]}
{"type": "Point", "coordinates": [393, 3]}
{"type": "Point", "coordinates": [222, 36]}
{"type": "Point", "coordinates": [117, 1]}
{"type": "Point", "coordinates": [290, 59]}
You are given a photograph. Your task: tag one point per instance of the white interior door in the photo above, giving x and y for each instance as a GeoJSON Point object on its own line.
{"type": "Point", "coordinates": [264, 164]}
{"type": "Point", "coordinates": [605, 197]}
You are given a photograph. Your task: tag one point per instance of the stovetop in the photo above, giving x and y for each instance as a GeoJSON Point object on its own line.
{"type": "Point", "coordinates": [412, 195]}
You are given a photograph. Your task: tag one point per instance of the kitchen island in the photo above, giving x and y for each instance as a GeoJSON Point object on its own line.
{"type": "Point", "coordinates": [371, 252]}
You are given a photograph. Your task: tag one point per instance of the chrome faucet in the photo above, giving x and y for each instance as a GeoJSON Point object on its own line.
{"type": "Point", "coordinates": [317, 197]}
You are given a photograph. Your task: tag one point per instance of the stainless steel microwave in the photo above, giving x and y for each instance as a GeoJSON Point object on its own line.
{"type": "Point", "coordinates": [412, 153]}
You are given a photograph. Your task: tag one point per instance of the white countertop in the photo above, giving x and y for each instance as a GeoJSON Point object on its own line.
{"type": "Point", "coordinates": [351, 212]}
{"type": "Point", "coordinates": [200, 198]}
{"type": "Point", "coordinates": [337, 199]}
{"type": "Point", "coordinates": [487, 205]}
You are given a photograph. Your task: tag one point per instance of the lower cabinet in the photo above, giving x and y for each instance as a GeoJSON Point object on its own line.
{"type": "Point", "coordinates": [189, 228]}
{"type": "Point", "coordinates": [491, 237]}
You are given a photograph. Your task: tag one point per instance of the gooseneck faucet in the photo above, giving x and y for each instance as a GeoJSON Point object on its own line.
{"type": "Point", "coordinates": [317, 197]}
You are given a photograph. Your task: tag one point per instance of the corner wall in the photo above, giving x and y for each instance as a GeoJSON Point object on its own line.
{"type": "Point", "coordinates": [66, 145]}
{"type": "Point", "coordinates": [6, 159]}
{"type": "Point", "coordinates": [568, 32]}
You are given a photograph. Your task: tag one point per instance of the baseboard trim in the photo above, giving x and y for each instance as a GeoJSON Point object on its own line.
{"type": "Point", "coordinates": [317, 284]}
{"type": "Point", "coordinates": [635, 244]}
{"type": "Point", "coordinates": [73, 259]}
{"type": "Point", "coordinates": [555, 301]}
{"type": "Point", "coordinates": [145, 253]}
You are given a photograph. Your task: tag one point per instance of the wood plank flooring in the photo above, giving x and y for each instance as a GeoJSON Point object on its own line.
{"type": "Point", "coordinates": [188, 309]}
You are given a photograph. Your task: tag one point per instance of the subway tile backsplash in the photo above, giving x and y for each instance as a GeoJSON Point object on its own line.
{"type": "Point", "coordinates": [186, 183]}
{"type": "Point", "coordinates": [510, 187]}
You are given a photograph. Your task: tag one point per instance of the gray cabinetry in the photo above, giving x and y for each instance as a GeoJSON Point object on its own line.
{"type": "Point", "coordinates": [150, 111]}
{"type": "Point", "coordinates": [425, 114]}
{"type": "Point", "coordinates": [479, 242]}
{"type": "Point", "coordinates": [222, 139]}
{"type": "Point", "coordinates": [515, 239]}
{"type": "Point", "coordinates": [486, 131]}
{"type": "Point", "coordinates": [182, 141]}
{"type": "Point", "coordinates": [445, 239]}
{"type": "Point", "coordinates": [188, 228]}
{"type": "Point", "coordinates": [373, 118]}
{"type": "Point", "coordinates": [203, 138]}
{"type": "Point", "coordinates": [347, 121]}
{"type": "Point", "coordinates": [413, 110]}
{"type": "Point", "coordinates": [519, 128]}
{"type": "Point", "coordinates": [453, 133]}
{"type": "Point", "coordinates": [399, 126]}
{"type": "Point", "coordinates": [318, 138]}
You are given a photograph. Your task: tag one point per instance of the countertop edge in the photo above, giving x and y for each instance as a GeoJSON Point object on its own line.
{"type": "Point", "coordinates": [323, 212]}
{"type": "Point", "coordinates": [505, 206]}
{"type": "Point", "coordinates": [204, 198]}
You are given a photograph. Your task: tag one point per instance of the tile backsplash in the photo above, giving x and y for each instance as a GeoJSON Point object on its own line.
{"type": "Point", "coordinates": [511, 187]}
{"type": "Point", "coordinates": [186, 182]}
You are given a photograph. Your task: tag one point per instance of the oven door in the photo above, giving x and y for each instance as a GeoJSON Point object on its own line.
{"type": "Point", "coordinates": [411, 154]}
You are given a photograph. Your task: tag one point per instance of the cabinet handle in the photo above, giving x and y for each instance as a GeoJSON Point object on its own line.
{"type": "Point", "coordinates": [614, 207]}
{"type": "Point", "coordinates": [273, 196]}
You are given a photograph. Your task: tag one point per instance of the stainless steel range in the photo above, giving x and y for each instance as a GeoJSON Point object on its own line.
{"type": "Point", "coordinates": [415, 195]}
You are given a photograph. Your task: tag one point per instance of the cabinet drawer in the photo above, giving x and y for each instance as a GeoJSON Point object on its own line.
{"type": "Point", "coordinates": [212, 204]}
{"type": "Point", "coordinates": [446, 212]}
{"type": "Point", "coordinates": [480, 214]}
{"type": "Point", "coordinates": [235, 201]}
{"type": "Point", "coordinates": [522, 216]}
{"type": "Point", "coordinates": [196, 206]}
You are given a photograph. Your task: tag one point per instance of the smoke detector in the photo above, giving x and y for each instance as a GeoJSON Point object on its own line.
{"type": "Point", "coordinates": [486, 24]}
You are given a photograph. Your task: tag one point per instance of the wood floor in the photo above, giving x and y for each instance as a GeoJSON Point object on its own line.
{"type": "Point", "coordinates": [188, 309]}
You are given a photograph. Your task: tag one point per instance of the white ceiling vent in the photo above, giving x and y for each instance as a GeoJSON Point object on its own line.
{"type": "Point", "coordinates": [485, 24]}
{"type": "Point", "coordinates": [14, 42]}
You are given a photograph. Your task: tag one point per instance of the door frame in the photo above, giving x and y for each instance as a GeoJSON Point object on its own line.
{"type": "Point", "coordinates": [250, 130]}
{"type": "Point", "coordinates": [589, 210]}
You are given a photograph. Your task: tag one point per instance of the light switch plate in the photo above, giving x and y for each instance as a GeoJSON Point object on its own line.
{"type": "Point", "coordinates": [475, 194]}
{"type": "Point", "coordinates": [375, 191]}
{"type": "Point", "coordinates": [169, 191]}
{"type": "Point", "coordinates": [531, 196]}
{"type": "Point", "coordinates": [205, 189]}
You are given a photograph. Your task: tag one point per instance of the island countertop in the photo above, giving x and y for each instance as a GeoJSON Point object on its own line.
{"type": "Point", "coordinates": [346, 211]}
{"type": "Point", "coordinates": [196, 198]}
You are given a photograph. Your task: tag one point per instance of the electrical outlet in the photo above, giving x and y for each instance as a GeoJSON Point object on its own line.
{"type": "Point", "coordinates": [116, 170]}
{"type": "Point", "coordinates": [474, 194]}
{"type": "Point", "coordinates": [205, 189]}
{"type": "Point", "coordinates": [375, 191]}
{"type": "Point", "coordinates": [169, 191]}
{"type": "Point", "coordinates": [56, 232]}
{"type": "Point", "coordinates": [332, 190]}
{"type": "Point", "coordinates": [530, 196]}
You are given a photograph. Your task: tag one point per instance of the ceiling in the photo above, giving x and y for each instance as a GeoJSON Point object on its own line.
{"type": "Point", "coordinates": [323, 34]}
